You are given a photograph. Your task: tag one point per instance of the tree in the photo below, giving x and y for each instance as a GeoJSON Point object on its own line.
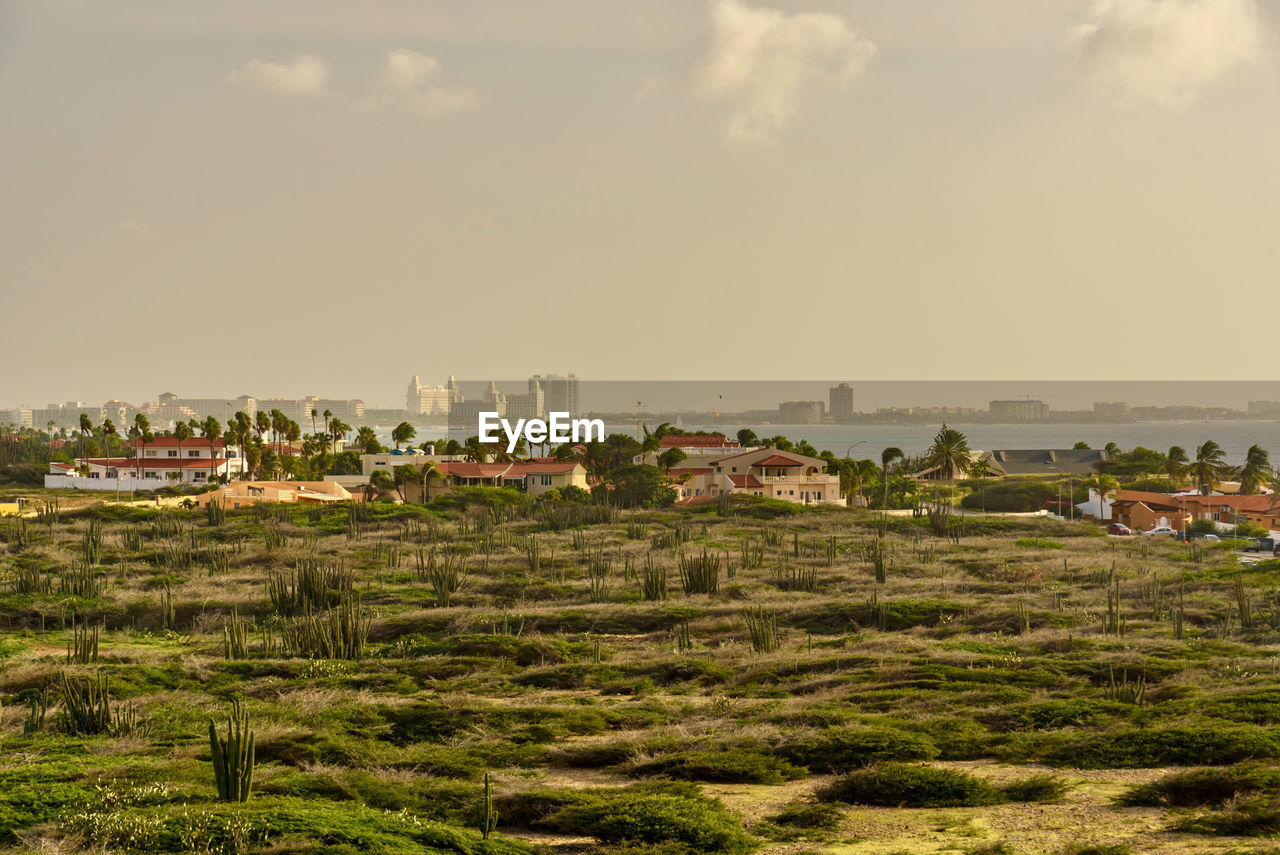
{"type": "Point", "coordinates": [1210, 463]}
{"type": "Point", "coordinates": [887, 457]}
{"type": "Point", "coordinates": [1080, 446]}
{"type": "Point", "coordinates": [337, 430]}
{"type": "Point", "coordinates": [381, 482]}
{"type": "Point", "coordinates": [366, 440]}
{"type": "Point", "coordinates": [211, 429]}
{"type": "Point", "coordinates": [1256, 470]}
{"type": "Point", "coordinates": [671, 458]}
{"type": "Point", "coordinates": [108, 431]}
{"type": "Point", "coordinates": [641, 485]}
{"type": "Point", "coordinates": [182, 433]}
{"type": "Point", "coordinates": [1112, 449]}
{"type": "Point", "coordinates": [949, 453]}
{"type": "Point", "coordinates": [140, 433]}
{"type": "Point", "coordinates": [314, 413]}
{"type": "Point", "coordinates": [86, 428]}
{"type": "Point", "coordinates": [747, 438]}
{"type": "Point", "coordinates": [1104, 485]}
{"type": "Point", "coordinates": [428, 471]}
{"type": "Point", "coordinates": [403, 475]}
{"type": "Point", "coordinates": [240, 426]}
{"type": "Point", "coordinates": [1175, 463]}
{"type": "Point", "coordinates": [403, 432]}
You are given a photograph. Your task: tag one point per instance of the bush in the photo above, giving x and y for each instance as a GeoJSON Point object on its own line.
{"type": "Point", "coordinates": [839, 750]}
{"type": "Point", "coordinates": [908, 785]}
{"type": "Point", "coordinates": [728, 766]}
{"type": "Point", "coordinates": [1011, 496]}
{"type": "Point", "coordinates": [1256, 817]}
{"type": "Point", "coordinates": [1197, 745]}
{"type": "Point", "coordinates": [647, 814]}
{"type": "Point", "coordinates": [1201, 787]}
{"type": "Point", "coordinates": [1040, 788]}
{"type": "Point", "coordinates": [808, 815]}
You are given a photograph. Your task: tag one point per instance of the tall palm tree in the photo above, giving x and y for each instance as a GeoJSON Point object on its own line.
{"type": "Point", "coordinates": [182, 433]}
{"type": "Point", "coordinates": [1210, 463]}
{"type": "Point", "coordinates": [887, 457]}
{"type": "Point", "coordinates": [314, 413]}
{"type": "Point", "coordinates": [261, 423]}
{"type": "Point", "coordinates": [328, 414]}
{"type": "Point", "coordinates": [337, 430]}
{"type": "Point", "coordinates": [86, 427]}
{"type": "Point", "coordinates": [1175, 463]}
{"type": "Point", "coordinates": [241, 427]}
{"type": "Point", "coordinates": [1104, 485]}
{"type": "Point", "coordinates": [366, 439]}
{"type": "Point", "coordinates": [108, 431]}
{"type": "Point", "coordinates": [428, 471]}
{"type": "Point", "coordinates": [1255, 471]}
{"type": "Point", "coordinates": [949, 453]}
{"type": "Point", "coordinates": [211, 429]}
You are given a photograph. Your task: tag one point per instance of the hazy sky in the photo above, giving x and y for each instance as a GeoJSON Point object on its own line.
{"type": "Point", "coordinates": [326, 197]}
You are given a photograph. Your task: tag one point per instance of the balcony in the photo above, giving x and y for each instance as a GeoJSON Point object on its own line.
{"type": "Point", "coordinates": [799, 479]}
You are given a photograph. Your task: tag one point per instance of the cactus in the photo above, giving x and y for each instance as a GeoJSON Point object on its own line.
{"type": "Point", "coordinates": [91, 544]}
{"type": "Point", "coordinates": [233, 756]}
{"type": "Point", "coordinates": [763, 630]}
{"type": "Point", "coordinates": [683, 642]}
{"type": "Point", "coordinates": [700, 574]}
{"type": "Point", "coordinates": [878, 553]}
{"type": "Point", "coordinates": [1124, 691]}
{"type": "Point", "coordinates": [215, 513]}
{"type": "Point", "coordinates": [83, 649]}
{"type": "Point", "coordinates": [86, 706]}
{"type": "Point", "coordinates": [167, 614]}
{"type": "Point", "coordinates": [653, 581]}
{"type": "Point", "coordinates": [34, 722]}
{"type": "Point", "coordinates": [235, 638]}
{"type": "Point", "coordinates": [796, 578]}
{"type": "Point", "coordinates": [447, 577]}
{"type": "Point", "coordinates": [1244, 603]}
{"type": "Point", "coordinates": [487, 818]}
{"type": "Point", "coordinates": [340, 633]}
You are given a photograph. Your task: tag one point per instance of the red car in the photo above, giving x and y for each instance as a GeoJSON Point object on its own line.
{"type": "Point", "coordinates": [1119, 528]}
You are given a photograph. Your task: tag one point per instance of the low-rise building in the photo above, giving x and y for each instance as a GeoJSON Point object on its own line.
{"type": "Point", "coordinates": [761, 472]}
{"type": "Point", "coordinates": [241, 494]}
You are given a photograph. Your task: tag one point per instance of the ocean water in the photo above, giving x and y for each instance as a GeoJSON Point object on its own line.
{"type": "Point", "coordinates": [860, 441]}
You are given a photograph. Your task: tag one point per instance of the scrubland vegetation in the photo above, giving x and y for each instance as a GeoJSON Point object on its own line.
{"type": "Point", "coordinates": [491, 674]}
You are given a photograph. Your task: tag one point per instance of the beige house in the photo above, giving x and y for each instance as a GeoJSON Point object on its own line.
{"type": "Point", "coordinates": [762, 472]}
{"type": "Point", "coordinates": [241, 494]}
{"type": "Point", "coordinates": [534, 477]}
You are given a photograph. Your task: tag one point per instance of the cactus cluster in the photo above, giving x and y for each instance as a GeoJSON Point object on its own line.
{"type": "Point", "coordinates": [233, 756]}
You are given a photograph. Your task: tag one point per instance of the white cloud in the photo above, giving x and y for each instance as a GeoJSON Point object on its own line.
{"type": "Point", "coordinates": [305, 76]}
{"type": "Point", "coordinates": [411, 81]}
{"type": "Point", "coordinates": [762, 62]}
{"type": "Point", "coordinates": [1166, 52]}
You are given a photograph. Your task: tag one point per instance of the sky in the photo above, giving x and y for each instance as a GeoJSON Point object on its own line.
{"type": "Point", "coordinates": [322, 197]}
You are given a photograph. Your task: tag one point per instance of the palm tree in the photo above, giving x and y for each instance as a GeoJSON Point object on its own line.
{"type": "Point", "coordinates": [949, 453]}
{"type": "Point", "coordinates": [108, 431]}
{"type": "Point", "coordinates": [241, 427]}
{"type": "Point", "coordinates": [314, 413]}
{"type": "Point", "coordinates": [211, 429]}
{"type": "Point", "coordinates": [261, 423]}
{"type": "Point", "coordinates": [1210, 463]}
{"type": "Point", "coordinates": [671, 458]}
{"type": "Point", "coordinates": [366, 439]}
{"type": "Point", "coordinates": [86, 427]}
{"type": "Point", "coordinates": [337, 430]}
{"type": "Point", "coordinates": [1175, 463]}
{"type": "Point", "coordinates": [328, 414]}
{"type": "Point", "coordinates": [429, 469]}
{"type": "Point", "coordinates": [182, 433]}
{"type": "Point", "coordinates": [403, 432]}
{"type": "Point", "coordinates": [381, 482]}
{"type": "Point", "coordinates": [887, 457]}
{"type": "Point", "coordinates": [1255, 471]}
{"type": "Point", "coordinates": [1104, 485]}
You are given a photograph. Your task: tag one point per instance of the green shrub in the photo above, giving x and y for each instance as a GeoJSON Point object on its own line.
{"type": "Point", "coordinates": [809, 815]}
{"type": "Point", "coordinates": [726, 766]}
{"type": "Point", "coordinates": [1256, 817]}
{"type": "Point", "coordinates": [842, 749]}
{"type": "Point", "coordinates": [1209, 743]}
{"type": "Point", "coordinates": [1041, 788]}
{"type": "Point", "coordinates": [909, 785]}
{"type": "Point", "coordinates": [1201, 787]}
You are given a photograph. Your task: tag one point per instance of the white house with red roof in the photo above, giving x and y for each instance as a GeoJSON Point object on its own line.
{"type": "Point", "coordinates": [766, 472]}
{"type": "Point", "coordinates": [534, 477]}
{"type": "Point", "coordinates": [161, 462]}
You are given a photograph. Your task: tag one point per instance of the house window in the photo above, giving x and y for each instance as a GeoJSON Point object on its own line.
{"type": "Point", "coordinates": [193, 454]}
{"type": "Point", "coordinates": [199, 476]}
{"type": "Point", "coordinates": [546, 480]}
{"type": "Point", "coordinates": [150, 453]}
{"type": "Point", "coordinates": [173, 452]}
{"type": "Point", "coordinates": [735, 469]}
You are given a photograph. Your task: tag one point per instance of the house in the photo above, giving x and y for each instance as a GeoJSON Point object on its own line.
{"type": "Point", "coordinates": [698, 448]}
{"type": "Point", "coordinates": [533, 477]}
{"type": "Point", "coordinates": [158, 463]}
{"type": "Point", "coordinates": [761, 472]}
{"type": "Point", "coordinates": [1044, 461]}
{"type": "Point", "coordinates": [1143, 511]}
{"type": "Point", "coordinates": [240, 494]}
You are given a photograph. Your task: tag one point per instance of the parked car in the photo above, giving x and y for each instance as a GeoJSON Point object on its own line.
{"type": "Point", "coordinates": [1163, 529]}
{"type": "Point", "coordinates": [1261, 544]}
{"type": "Point", "coordinates": [1119, 528]}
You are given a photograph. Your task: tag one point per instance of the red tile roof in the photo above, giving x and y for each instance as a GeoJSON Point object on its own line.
{"type": "Point", "coordinates": [776, 460]}
{"type": "Point", "coordinates": [157, 462]}
{"type": "Point", "coordinates": [686, 440]}
{"type": "Point", "coordinates": [172, 442]}
{"type": "Point", "coordinates": [746, 481]}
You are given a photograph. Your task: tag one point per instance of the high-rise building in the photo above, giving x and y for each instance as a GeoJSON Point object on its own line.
{"type": "Point", "coordinates": [1022, 410]}
{"type": "Point", "coordinates": [428, 400]}
{"type": "Point", "coordinates": [840, 405]}
{"type": "Point", "coordinates": [559, 393]}
{"type": "Point", "coordinates": [801, 412]}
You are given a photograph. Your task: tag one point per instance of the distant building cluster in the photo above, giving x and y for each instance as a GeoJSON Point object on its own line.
{"type": "Point", "coordinates": [542, 395]}
{"type": "Point", "coordinates": [169, 408]}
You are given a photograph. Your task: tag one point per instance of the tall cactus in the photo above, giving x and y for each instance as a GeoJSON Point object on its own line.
{"type": "Point", "coordinates": [487, 817]}
{"type": "Point", "coordinates": [233, 756]}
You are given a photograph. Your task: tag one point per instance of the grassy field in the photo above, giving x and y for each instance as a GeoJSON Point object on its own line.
{"type": "Point", "coordinates": [734, 679]}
